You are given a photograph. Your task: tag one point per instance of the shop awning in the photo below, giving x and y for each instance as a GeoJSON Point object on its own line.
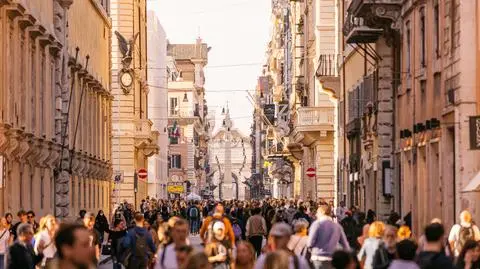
{"type": "Point", "coordinates": [474, 184]}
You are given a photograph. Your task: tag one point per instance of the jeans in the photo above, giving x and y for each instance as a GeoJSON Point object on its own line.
{"type": "Point", "coordinates": [256, 241]}
{"type": "Point", "coordinates": [194, 225]}
{"type": "Point", "coordinates": [322, 264]}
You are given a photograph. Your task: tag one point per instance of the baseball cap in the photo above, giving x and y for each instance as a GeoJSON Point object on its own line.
{"type": "Point", "coordinates": [218, 225]}
{"type": "Point", "coordinates": [281, 229]}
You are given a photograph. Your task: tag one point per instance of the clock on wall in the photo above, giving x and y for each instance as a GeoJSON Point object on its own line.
{"type": "Point", "coordinates": [126, 80]}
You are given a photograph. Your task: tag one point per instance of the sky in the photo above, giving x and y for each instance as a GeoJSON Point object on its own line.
{"type": "Point", "coordinates": [238, 32]}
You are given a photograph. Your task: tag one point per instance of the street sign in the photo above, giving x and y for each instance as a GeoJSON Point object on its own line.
{"type": "Point", "coordinates": [142, 173]}
{"type": "Point", "coordinates": [175, 189]}
{"type": "Point", "coordinates": [118, 176]}
{"type": "Point", "coordinates": [311, 172]}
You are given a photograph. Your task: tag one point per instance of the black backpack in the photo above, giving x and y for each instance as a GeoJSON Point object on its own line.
{"type": "Point", "coordinates": [140, 245]}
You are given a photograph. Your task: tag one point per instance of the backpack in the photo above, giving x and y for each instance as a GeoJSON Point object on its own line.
{"type": "Point", "coordinates": [140, 245]}
{"type": "Point", "coordinates": [465, 234]}
{"type": "Point", "coordinates": [193, 212]}
{"type": "Point", "coordinates": [237, 231]}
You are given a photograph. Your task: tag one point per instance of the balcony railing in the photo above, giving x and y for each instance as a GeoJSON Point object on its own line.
{"type": "Point", "coordinates": [355, 30]}
{"type": "Point", "coordinates": [327, 65]}
{"type": "Point", "coordinates": [315, 116]}
{"type": "Point", "coordinates": [181, 114]}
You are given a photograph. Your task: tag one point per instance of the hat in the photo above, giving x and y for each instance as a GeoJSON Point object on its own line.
{"type": "Point", "coordinates": [281, 229]}
{"type": "Point", "coordinates": [218, 225]}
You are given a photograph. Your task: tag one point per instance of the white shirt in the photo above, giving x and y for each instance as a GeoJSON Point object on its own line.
{"type": "Point", "coordinates": [4, 240]}
{"type": "Point", "coordinates": [50, 250]}
{"type": "Point", "coordinates": [455, 235]}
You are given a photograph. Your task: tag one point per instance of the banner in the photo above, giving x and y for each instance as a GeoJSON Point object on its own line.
{"type": "Point", "coordinates": [175, 189]}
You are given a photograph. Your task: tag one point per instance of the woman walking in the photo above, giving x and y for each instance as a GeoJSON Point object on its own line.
{"type": "Point", "coordinates": [45, 239]}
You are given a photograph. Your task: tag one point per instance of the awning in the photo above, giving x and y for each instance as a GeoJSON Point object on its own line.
{"type": "Point", "coordinates": [473, 185]}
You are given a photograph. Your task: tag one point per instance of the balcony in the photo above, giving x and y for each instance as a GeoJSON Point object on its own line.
{"type": "Point", "coordinates": [367, 19]}
{"type": "Point", "coordinates": [182, 117]}
{"type": "Point", "coordinates": [146, 140]}
{"type": "Point", "coordinates": [313, 123]}
{"type": "Point", "coordinates": [327, 72]}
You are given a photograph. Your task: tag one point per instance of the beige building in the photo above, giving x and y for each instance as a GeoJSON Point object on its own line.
{"type": "Point", "coordinates": [42, 81]}
{"type": "Point", "coordinates": [133, 139]}
{"type": "Point", "coordinates": [187, 111]}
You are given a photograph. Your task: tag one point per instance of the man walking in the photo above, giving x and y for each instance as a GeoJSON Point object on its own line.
{"type": "Point", "coordinates": [22, 216]}
{"type": "Point", "coordinates": [73, 248]}
{"type": "Point", "coordinates": [21, 253]}
{"type": "Point", "coordinates": [433, 254]}
{"type": "Point", "coordinates": [325, 235]}
{"type": "Point", "coordinates": [167, 258]}
{"type": "Point", "coordinates": [461, 233]}
{"type": "Point", "coordinates": [217, 216]}
{"type": "Point", "coordinates": [194, 217]}
{"type": "Point", "coordinates": [256, 229]}
{"type": "Point", "coordinates": [140, 242]}
{"type": "Point", "coordinates": [278, 238]}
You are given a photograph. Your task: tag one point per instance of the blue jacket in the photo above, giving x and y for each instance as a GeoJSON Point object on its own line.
{"type": "Point", "coordinates": [325, 236]}
{"type": "Point", "coordinates": [130, 240]}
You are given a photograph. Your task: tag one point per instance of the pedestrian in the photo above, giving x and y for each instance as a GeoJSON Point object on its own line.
{"type": "Point", "coordinates": [194, 217]}
{"type": "Point", "coordinates": [4, 241]}
{"type": "Point", "coordinates": [166, 257]}
{"type": "Point", "coordinates": [115, 236]}
{"type": "Point", "coordinates": [462, 232]}
{"type": "Point", "coordinates": [277, 260]}
{"type": "Point", "coordinates": [342, 259]}
{"type": "Point", "coordinates": [256, 229]}
{"type": "Point", "coordinates": [298, 241]}
{"type": "Point", "coordinates": [301, 214]}
{"type": "Point", "coordinates": [422, 240]}
{"type": "Point", "coordinates": [371, 244]}
{"type": "Point", "coordinates": [433, 254]}
{"type": "Point", "coordinates": [198, 260]}
{"type": "Point", "coordinates": [73, 248]}
{"type": "Point", "coordinates": [89, 223]}
{"type": "Point", "coordinates": [9, 225]}
{"type": "Point", "coordinates": [278, 239]}
{"type": "Point", "coordinates": [386, 250]}
{"type": "Point", "coordinates": [219, 248]}
{"type": "Point", "coordinates": [140, 243]}
{"type": "Point", "coordinates": [218, 215]}
{"type": "Point", "coordinates": [81, 215]}
{"type": "Point", "coordinates": [469, 256]}
{"type": "Point", "coordinates": [22, 217]}
{"type": "Point", "coordinates": [153, 233]}
{"type": "Point", "coordinates": [31, 220]}
{"type": "Point", "coordinates": [371, 216]}
{"type": "Point", "coordinates": [340, 211]}
{"type": "Point", "coordinates": [324, 238]}
{"type": "Point", "coordinates": [350, 228]}
{"type": "Point", "coordinates": [101, 224]}
{"type": "Point", "coordinates": [245, 256]}
{"type": "Point", "coordinates": [45, 238]}
{"type": "Point", "coordinates": [405, 250]}
{"type": "Point", "coordinates": [21, 254]}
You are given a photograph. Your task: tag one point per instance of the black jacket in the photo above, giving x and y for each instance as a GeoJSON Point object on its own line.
{"type": "Point", "coordinates": [434, 260]}
{"type": "Point", "coordinates": [23, 257]}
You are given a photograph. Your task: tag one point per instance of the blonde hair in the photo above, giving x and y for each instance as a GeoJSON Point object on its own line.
{"type": "Point", "coordinates": [44, 221]}
{"type": "Point", "coordinates": [404, 232]}
{"type": "Point", "coordinates": [465, 217]}
{"type": "Point", "coordinates": [277, 260]}
{"type": "Point", "coordinates": [377, 229]}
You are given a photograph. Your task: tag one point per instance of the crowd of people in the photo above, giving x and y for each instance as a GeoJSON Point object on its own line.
{"type": "Point", "coordinates": [266, 234]}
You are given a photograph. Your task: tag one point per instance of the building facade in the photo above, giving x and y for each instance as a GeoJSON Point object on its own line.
{"type": "Point", "coordinates": [157, 104]}
{"type": "Point", "coordinates": [56, 106]}
{"type": "Point", "coordinates": [133, 139]}
{"type": "Point", "coordinates": [187, 111]}
{"type": "Point", "coordinates": [299, 100]}
{"type": "Point", "coordinates": [229, 152]}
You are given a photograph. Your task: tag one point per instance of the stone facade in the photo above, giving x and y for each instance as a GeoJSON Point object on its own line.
{"type": "Point", "coordinates": [133, 139]}
{"type": "Point", "coordinates": [43, 81]}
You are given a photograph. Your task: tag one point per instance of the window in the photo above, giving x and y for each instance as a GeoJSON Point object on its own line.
{"type": "Point", "coordinates": [453, 26]}
{"type": "Point", "coordinates": [408, 46]}
{"type": "Point", "coordinates": [422, 37]}
{"type": "Point", "coordinates": [173, 106]}
{"type": "Point", "coordinates": [436, 25]}
{"type": "Point", "coordinates": [437, 83]}
{"type": "Point", "coordinates": [176, 161]}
